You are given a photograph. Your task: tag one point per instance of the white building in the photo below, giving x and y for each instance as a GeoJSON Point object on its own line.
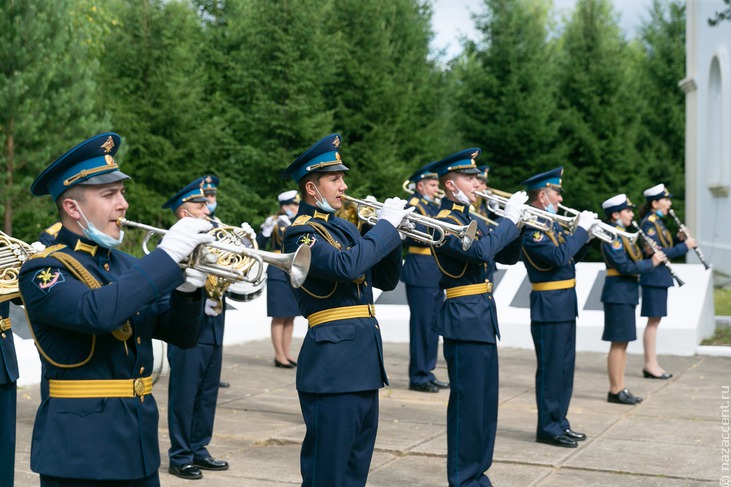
{"type": "Point", "coordinates": [707, 88]}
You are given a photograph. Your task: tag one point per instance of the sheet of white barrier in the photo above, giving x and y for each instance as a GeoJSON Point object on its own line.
{"type": "Point", "coordinates": [690, 317]}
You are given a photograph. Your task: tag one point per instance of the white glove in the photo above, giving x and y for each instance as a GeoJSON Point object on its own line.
{"type": "Point", "coordinates": [210, 307]}
{"type": "Point", "coordinates": [514, 206]}
{"type": "Point", "coordinates": [37, 246]}
{"type": "Point", "coordinates": [268, 226]}
{"type": "Point", "coordinates": [194, 279]}
{"type": "Point", "coordinates": [248, 231]}
{"type": "Point", "coordinates": [393, 211]}
{"type": "Point", "coordinates": [371, 198]}
{"type": "Point", "coordinates": [184, 237]}
{"type": "Point", "coordinates": [587, 219]}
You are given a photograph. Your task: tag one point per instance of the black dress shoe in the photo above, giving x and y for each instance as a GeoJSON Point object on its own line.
{"type": "Point", "coordinates": [440, 384]}
{"type": "Point", "coordinates": [623, 397]}
{"type": "Point", "coordinates": [560, 440]}
{"type": "Point", "coordinates": [279, 364]}
{"type": "Point", "coordinates": [425, 387]}
{"type": "Point", "coordinates": [211, 463]}
{"type": "Point", "coordinates": [293, 363]}
{"type": "Point", "coordinates": [224, 384]}
{"type": "Point", "coordinates": [187, 471]}
{"type": "Point", "coordinates": [574, 435]}
{"type": "Point", "coordinates": [663, 376]}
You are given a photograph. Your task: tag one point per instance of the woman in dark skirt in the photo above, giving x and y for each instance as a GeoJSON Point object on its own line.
{"type": "Point", "coordinates": [620, 295]}
{"type": "Point", "coordinates": [655, 283]}
{"type": "Point", "coordinates": [281, 304]}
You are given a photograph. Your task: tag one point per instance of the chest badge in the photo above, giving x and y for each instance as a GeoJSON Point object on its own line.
{"type": "Point", "coordinates": [45, 279]}
{"type": "Point", "coordinates": [537, 236]}
{"type": "Point", "coordinates": [307, 239]}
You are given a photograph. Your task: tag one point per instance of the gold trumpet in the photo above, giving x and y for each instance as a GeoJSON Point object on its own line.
{"type": "Point", "coordinates": [530, 216]}
{"type": "Point", "coordinates": [368, 212]}
{"type": "Point", "coordinates": [228, 259]}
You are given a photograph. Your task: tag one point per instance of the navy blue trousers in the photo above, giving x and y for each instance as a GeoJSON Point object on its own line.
{"type": "Point", "coordinates": [341, 434]}
{"type": "Point", "coordinates": [8, 409]}
{"type": "Point", "coordinates": [472, 411]}
{"type": "Point", "coordinates": [555, 345]}
{"type": "Point", "coordinates": [424, 304]}
{"type": "Point", "coordinates": [194, 377]}
{"type": "Point", "coordinates": [151, 481]}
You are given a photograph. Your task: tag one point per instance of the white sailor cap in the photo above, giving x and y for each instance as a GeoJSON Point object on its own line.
{"type": "Point", "coordinates": [616, 203]}
{"type": "Point", "coordinates": [656, 193]}
{"type": "Point", "coordinates": [288, 197]}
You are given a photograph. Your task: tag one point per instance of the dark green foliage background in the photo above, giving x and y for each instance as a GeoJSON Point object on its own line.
{"type": "Point", "coordinates": [239, 88]}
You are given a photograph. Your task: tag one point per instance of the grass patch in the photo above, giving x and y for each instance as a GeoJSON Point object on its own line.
{"type": "Point", "coordinates": [722, 336]}
{"type": "Point", "coordinates": [722, 301]}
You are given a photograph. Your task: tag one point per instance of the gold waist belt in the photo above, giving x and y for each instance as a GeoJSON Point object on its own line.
{"type": "Point", "coordinates": [419, 250]}
{"type": "Point", "coordinates": [5, 324]}
{"type": "Point", "coordinates": [84, 389]}
{"type": "Point", "coordinates": [615, 273]}
{"type": "Point", "coordinates": [343, 313]}
{"type": "Point", "coordinates": [554, 285]}
{"type": "Point", "coordinates": [469, 290]}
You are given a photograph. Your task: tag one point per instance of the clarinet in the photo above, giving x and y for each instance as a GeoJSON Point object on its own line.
{"type": "Point", "coordinates": [686, 232]}
{"type": "Point", "coordinates": [655, 248]}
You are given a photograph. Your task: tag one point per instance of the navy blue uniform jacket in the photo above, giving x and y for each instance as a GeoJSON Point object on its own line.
{"type": "Point", "coordinates": [344, 355]}
{"type": "Point", "coordinates": [105, 438]}
{"type": "Point", "coordinates": [549, 257]}
{"type": "Point", "coordinates": [474, 317]}
{"type": "Point", "coordinates": [420, 270]}
{"type": "Point", "coordinates": [626, 259]}
{"type": "Point", "coordinates": [654, 228]}
{"type": "Point", "coordinates": [9, 364]}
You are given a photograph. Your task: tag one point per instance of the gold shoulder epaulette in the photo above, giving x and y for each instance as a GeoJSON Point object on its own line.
{"type": "Point", "coordinates": [54, 229]}
{"type": "Point", "coordinates": [48, 251]}
{"type": "Point", "coordinates": [443, 214]}
{"type": "Point", "coordinates": [414, 201]}
{"type": "Point", "coordinates": [652, 218]}
{"type": "Point", "coordinates": [301, 220]}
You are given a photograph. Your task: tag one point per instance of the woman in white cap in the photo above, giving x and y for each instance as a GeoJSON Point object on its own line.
{"type": "Point", "coordinates": [655, 283]}
{"type": "Point", "coordinates": [621, 294]}
{"type": "Point", "coordinates": [281, 305]}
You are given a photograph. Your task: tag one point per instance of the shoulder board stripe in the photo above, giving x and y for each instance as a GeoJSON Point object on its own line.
{"type": "Point", "coordinates": [301, 220]}
{"type": "Point", "coordinates": [48, 251]}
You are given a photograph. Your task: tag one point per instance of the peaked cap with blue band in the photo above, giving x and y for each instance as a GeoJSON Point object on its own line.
{"type": "Point", "coordinates": [210, 184]}
{"type": "Point", "coordinates": [462, 161]}
{"type": "Point", "coordinates": [323, 156]}
{"type": "Point", "coordinates": [89, 163]}
{"type": "Point", "coordinates": [616, 203]}
{"type": "Point", "coordinates": [423, 173]}
{"type": "Point", "coordinates": [656, 193]}
{"type": "Point", "coordinates": [191, 193]}
{"type": "Point", "coordinates": [484, 170]}
{"type": "Point", "coordinates": [549, 179]}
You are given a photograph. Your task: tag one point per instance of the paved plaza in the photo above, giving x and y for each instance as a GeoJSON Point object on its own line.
{"type": "Point", "coordinates": [675, 438]}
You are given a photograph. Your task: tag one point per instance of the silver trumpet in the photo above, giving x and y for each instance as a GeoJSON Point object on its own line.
{"type": "Point", "coordinates": [530, 216]}
{"type": "Point", "coordinates": [230, 261]}
{"type": "Point", "coordinates": [608, 233]}
{"type": "Point", "coordinates": [368, 212]}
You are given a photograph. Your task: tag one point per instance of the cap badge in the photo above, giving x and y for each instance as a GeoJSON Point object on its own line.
{"type": "Point", "coordinates": [108, 145]}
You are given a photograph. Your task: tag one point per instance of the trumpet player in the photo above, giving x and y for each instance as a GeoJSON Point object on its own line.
{"type": "Point", "coordinates": [621, 293]}
{"type": "Point", "coordinates": [93, 312]}
{"type": "Point", "coordinates": [655, 284]}
{"type": "Point", "coordinates": [340, 365]}
{"type": "Point", "coordinates": [421, 276]}
{"type": "Point", "coordinates": [195, 373]}
{"type": "Point", "coordinates": [468, 319]}
{"type": "Point", "coordinates": [549, 257]}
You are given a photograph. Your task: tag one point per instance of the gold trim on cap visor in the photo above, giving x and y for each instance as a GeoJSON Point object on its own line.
{"type": "Point", "coordinates": [466, 166]}
{"type": "Point", "coordinates": [88, 172]}
{"type": "Point", "coordinates": [323, 164]}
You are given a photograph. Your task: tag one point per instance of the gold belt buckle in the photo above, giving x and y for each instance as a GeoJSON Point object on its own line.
{"type": "Point", "coordinates": [371, 310]}
{"type": "Point", "coordinates": [139, 386]}
{"type": "Point", "coordinates": [488, 284]}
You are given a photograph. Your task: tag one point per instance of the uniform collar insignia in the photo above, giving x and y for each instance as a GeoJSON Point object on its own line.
{"type": "Point", "coordinates": [456, 207]}
{"type": "Point", "coordinates": [83, 247]}
{"type": "Point", "coordinates": [321, 216]}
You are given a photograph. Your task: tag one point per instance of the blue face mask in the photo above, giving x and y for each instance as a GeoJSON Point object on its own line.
{"type": "Point", "coordinates": [288, 211]}
{"type": "Point", "coordinates": [323, 205]}
{"type": "Point", "coordinates": [211, 207]}
{"type": "Point", "coordinates": [97, 236]}
{"type": "Point", "coordinates": [550, 208]}
{"type": "Point", "coordinates": [619, 223]}
{"type": "Point", "coordinates": [659, 213]}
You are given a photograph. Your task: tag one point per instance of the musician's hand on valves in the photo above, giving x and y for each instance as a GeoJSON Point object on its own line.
{"type": "Point", "coordinates": [658, 258]}
{"type": "Point", "coordinates": [588, 219]}
{"type": "Point", "coordinates": [184, 237]}
{"type": "Point", "coordinates": [248, 231]}
{"type": "Point", "coordinates": [393, 212]}
{"type": "Point", "coordinates": [211, 307]}
{"type": "Point", "coordinates": [37, 246]}
{"type": "Point", "coordinates": [194, 279]}
{"type": "Point", "coordinates": [514, 206]}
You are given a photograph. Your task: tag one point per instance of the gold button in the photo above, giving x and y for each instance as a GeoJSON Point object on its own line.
{"type": "Point", "coordinates": [106, 266]}
{"type": "Point", "coordinates": [139, 340]}
{"type": "Point", "coordinates": [137, 314]}
{"type": "Point", "coordinates": [139, 387]}
{"type": "Point", "coordinates": [3, 335]}
{"type": "Point", "coordinates": [142, 370]}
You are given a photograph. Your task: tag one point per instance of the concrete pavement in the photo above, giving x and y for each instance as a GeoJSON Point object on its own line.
{"type": "Point", "coordinates": [677, 437]}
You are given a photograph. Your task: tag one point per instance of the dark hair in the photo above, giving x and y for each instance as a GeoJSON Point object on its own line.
{"type": "Point", "coordinates": [314, 177]}
{"type": "Point", "coordinates": [645, 209]}
{"type": "Point", "coordinates": [533, 194]}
